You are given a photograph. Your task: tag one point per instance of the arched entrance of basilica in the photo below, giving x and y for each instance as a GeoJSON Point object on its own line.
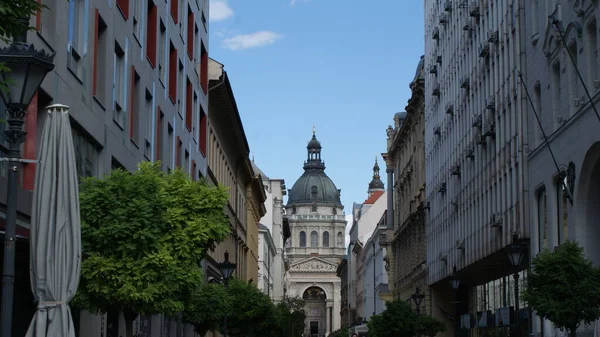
{"type": "Point", "coordinates": [587, 204]}
{"type": "Point", "coordinates": [316, 312]}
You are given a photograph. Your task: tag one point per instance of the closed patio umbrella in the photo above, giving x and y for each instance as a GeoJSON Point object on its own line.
{"type": "Point", "coordinates": [55, 238]}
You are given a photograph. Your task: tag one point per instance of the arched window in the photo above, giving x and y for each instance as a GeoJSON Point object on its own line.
{"type": "Point", "coordinates": [302, 239]}
{"type": "Point", "coordinates": [340, 239]}
{"type": "Point", "coordinates": [313, 208]}
{"type": "Point", "coordinates": [313, 192]}
{"type": "Point", "coordinates": [314, 239]}
{"type": "Point", "coordinates": [325, 239]}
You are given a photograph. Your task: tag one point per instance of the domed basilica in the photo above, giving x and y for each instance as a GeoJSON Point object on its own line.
{"type": "Point", "coordinates": [317, 222]}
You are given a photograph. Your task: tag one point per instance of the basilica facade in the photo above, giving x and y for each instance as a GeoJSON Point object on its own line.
{"type": "Point", "coordinates": [317, 222]}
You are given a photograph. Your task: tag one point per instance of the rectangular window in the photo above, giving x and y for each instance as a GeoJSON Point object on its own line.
{"type": "Point", "coordinates": [119, 86]}
{"type": "Point", "coordinates": [134, 107]}
{"type": "Point", "coordinates": [188, 104]}
{"type": "Point", "coordinates": [100, 59]}
{"type": "Point", "coordinates": [151, 28]}
{"type": "Point", "coordinates": [190, 33]}
{"type": "Point", "coordinates": [194, 169]}
{"type": "Point", "coordinates": [170, 145]}
{"type": "Point", "coordinates": [556, 82]}
{"type": "Point", "coordinates": [542, 220]}
{"type": "Point", "coordinates": [203, 68]}
{"type": "Point", "coordinates": [203, 137]}
{"type": "Point", "coordinates": [160, 138]}
{"type": "Point", "coordinates": [46, 19]}
{"type": "Point", "coordinates": [195, 117]}
{"type": "Point", "coordinates": [204, 21]}
{"type": "Point", "coordinates": [178, 145]}
{"type": "Point", "coordinates": [123, 6]}
{"type": "Point", "coordinates": [137, 21]}
{"type": "Point", "coordinates": [196, 48]}
{"type": "Point", "coordinates": [87, 154]}
{"type": "Point", "coordinates": [187, 161]}
{"type": "Point", "coordinates": [162, 44]}
{"type": "Point", "coordinates": [172, 73]}
{"type": "Point", "coordinates": [180, 90]}
{"type": "Point", "coordinates": [175, 10]}
{"type": "Point", "coordinates": [77, 38]}
{"type": "Point", "coordinates": [148, 121]}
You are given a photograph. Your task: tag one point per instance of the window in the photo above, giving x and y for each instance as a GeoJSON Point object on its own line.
{"type": "Point", "coordinates": [592, 50]}
{"type": "Point", "coordinates": [573, 78]}
{"type": "Point", "coordinates": [325, 239]}
{"type": "Point", "coordinates": [189, 108]}
{"type": "Point", "coordinates": [77, 39]}
{"type": "Point", "coordinates": [151, 33]}
{"type": "Point", "coordinates": [196, 48]}
{"type": "Point", "coordinates": [203, 68]}
{"type": "Point", "coordinates": [542, 220]}
{"type": "Point", "coordinates": [181, 90]}
{"type": "Point", "coordinates": [195, 116]}
{"type": "Point", "coordinates": [119, 87]}
{"type": "Point", "coordinates": [302, 239]}
{"type": "Point", "coordinates": [46, 19]}
{"type": "Point", "coordinates": [134, 107]}
{"type": "Point", "coordinates": [190, 33]}
{"type": "Point", "coordinates": [160, 138]}
{"type": "Point", "coordinates": [178, 145]}
{"type": "Point", "coordinates": [186, 163]}
{"type": "Point", "coordinates": [172, 73]}
{"type": "Point", "coordinates": [556, 91]}
{"type": "Point", "coordinates": [123, 6]}
{"type": "Point", "coordinates": [86, 154]}
{"type": "Point", "coordinates": [148, 120]}
{"type": "Point", "coordinates": [194, 170]}
{"type": "Point", "coordinates": [112, 321]}
{"type": "Point", "coordinates": [162, 44]}
{"type": "Point", "coordinates": [203, 137]}
{"type": "Point", "coordinates": [137, 21]}
{"type": "Point", "coordinates": [175, 10]}
{"type": "Point", "coordinates": [100, 59]}
{"type": "Point", "coordinates": [313, 207]}
{"type": "Point", "coordinates": [115, 164]}
{"type": "Point", "coordinates": [170, 145]}
{"type": "Point", "coordinates": [314, 239]}
{"type": "Point", "coordinates": [562, 210]}
{"type": "Point", "coordinates": [313, 192]}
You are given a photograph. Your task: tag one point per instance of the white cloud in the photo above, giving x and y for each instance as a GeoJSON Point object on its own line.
{"type": "Point", "coordinates": [219, 10]}
{"type": "Point", "coordinates": [294, 2]}
{"type": "Point", "coordinates": [254, 40]}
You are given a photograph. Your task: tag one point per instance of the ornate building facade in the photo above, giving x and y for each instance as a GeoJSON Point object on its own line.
{"type": "Point", "coordinates": [317, 222]}
{"type": "Point", "coordinates": [406, 157]}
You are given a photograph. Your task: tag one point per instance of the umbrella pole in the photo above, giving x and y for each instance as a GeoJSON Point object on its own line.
{"type": "Point", "coordinates": [15, 136]}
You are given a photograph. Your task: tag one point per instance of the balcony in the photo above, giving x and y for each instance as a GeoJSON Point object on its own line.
{"type": "Point", "coordinates": [476, 121]}
{"type": "Point", "coordinates": [438, 59]}
{"type": "Point", "coordinates": [450, 108]}
{"type": "Point", "coordinates": [484, 50]}
{"type": "Point", "coordinates": [493, 37]}
{"type": "Point", "coordinates": [490, 127]}
{"type": "Point", "coordinates": [437, 130]}
{"type": "Point", "coordinates": [436, 91]}
{"type": "Point", "coordinates": [433, 69]}
{"type": "Point", "coordinates": [464, 82]}
{"type": "Point", "coordinates": [448, 6]}
{"type": "Point", "coordinates": [436, 33]}
{"type": "Point", "coordinates": [490, 103]}
{"type": "Point", "coordinates": [470, 152]}
{"type": "Point", "coordinates": [463, 4]}
{"type": "Point", "coordinates": [474, 10]}
{"type": "Point", "coordinates": [468, 26]}
{"type": "Point", "coordinates": [455, 171]}
{"type": "Point", "coordinates": [316, 217]}
{"type": "Point", "coordinates": [443, 18]}
{"type": "Point", "coordinates": [442, 188]}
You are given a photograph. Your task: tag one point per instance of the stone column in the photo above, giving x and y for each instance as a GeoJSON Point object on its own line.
{"type": "Point", "coordinates": [328, 317]}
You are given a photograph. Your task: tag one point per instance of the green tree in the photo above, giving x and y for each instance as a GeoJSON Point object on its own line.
{"type": "Point", "coordinates": [252, 313]}
{"type": "Point", "coordinates": [12, 15]}
{"type": "Point", "coordinates": [398, 319]}
{"type": "Point", "coordinates": [143, 236]}
{"type": "Point", "coordinates": [206, 308]}
{"type": "Point", "coordinates": [564, 287]}
{"type": "Point", "coordinates": [290, 317]}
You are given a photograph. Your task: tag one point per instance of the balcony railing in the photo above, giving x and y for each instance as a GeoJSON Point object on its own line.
{"type": "Point", "coordinates": [316, 217]}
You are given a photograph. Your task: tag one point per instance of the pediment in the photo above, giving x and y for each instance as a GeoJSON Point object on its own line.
{"type": "Point", "coordinates": [314, 265]}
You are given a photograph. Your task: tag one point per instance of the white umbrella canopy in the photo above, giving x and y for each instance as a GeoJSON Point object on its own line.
{"type": "Point", "coordinates": [55, 237]}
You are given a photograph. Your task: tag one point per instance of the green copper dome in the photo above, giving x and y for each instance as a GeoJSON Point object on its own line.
{"type": "Point", "coordinates": [314, 186]}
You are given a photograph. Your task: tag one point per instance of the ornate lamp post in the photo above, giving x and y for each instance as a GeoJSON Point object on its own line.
{"type": "Point", "coordinates": [455, 283]}
{"type": "Point", "coordinates": [26, 68]}
{"type": "Point", "coordinates": [417, 297]}
{"type": "Point", "coordinates": [226, 268]}
{"type": "Point", "coordinates": [516, 253]}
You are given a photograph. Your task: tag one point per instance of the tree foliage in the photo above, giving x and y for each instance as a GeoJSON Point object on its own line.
{"type": "Point", "coordinates": [12, 14]}
{"type": "Point", "coordinates": [143, 237]}
{"type": "Point", "coordinates": [564, 287]}
{"type": "Point", "coordinates": [206, 308]}
{"type": "Point", "coordinates": [252, 313]}
{"type": "Point", "coordinates": [290, 317]}
{"type": "Point", "coordinates": [343, 332]}
{"type": "Point", "coordinates": [398, 319]}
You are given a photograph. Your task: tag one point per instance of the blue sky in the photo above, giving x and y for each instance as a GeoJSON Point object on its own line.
{"type": "Point", "coordinates": [341, 65]}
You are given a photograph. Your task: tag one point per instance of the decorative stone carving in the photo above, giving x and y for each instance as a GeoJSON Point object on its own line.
{"type": "Point", "coordinates": [314, 266]}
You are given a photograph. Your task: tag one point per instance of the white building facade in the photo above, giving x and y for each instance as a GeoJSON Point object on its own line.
{"type": "Point", "coordinates": [565, 192]}
{"type": "Point", "coordinates": [266, 259]}
{"type": "Point", "coordinates": [475, 144]}
{"type": "Point", "coordinates": [274, 223]}
{"type": "Point", "coordinates": [317, 246]}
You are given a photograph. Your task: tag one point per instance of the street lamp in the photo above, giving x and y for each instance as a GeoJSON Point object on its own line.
{"type": "Point", "coordinates": [25, 70]}
{"type": "Point", "coordinates": [516, 253]}
{"type": "Point", "coordinates": [226, 269]}
{"type": "Point", "coordinates": [417, 297]}
{"type": "Point", "coordinates": [455, 283]}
